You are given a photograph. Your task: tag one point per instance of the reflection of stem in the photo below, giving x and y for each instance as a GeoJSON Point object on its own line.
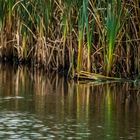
{"type": "Point", "coordinates": [78, 106]}
{"type": "Point", "coordinates": [127, 102]}
{"type": "Point", "coordinates": [87, 101]}
{"type": "Point", "coordinates": [108, 100]}
{"type": "Point", "coordinates": [17, 87]}
{"type": "Point", "coordinates": [138, 99]}
{"type": "Point", "coordinates": [17, 83]}
{"type": "Point", "coordinates": [108, 106]}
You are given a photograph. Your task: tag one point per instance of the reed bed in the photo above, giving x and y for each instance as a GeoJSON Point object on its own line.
{"type": "Point", "coordinates": [101, 37]}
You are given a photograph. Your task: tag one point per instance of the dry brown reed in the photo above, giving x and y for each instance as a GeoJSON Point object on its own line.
{"type": "Point", "coordinates": [72, 35]}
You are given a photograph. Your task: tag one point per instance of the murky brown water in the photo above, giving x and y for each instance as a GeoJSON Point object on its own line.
{"type": "Point", "coordinates": [37, 106]}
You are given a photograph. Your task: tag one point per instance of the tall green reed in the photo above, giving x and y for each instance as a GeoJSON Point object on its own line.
{"type": "Point", "coordinates": [89, 32]}
{"type": "Point", "coordinates": [114, 11]}
{"type": "Point", "coordinates": [2, 7]}
{"type": "Point", "coordinates": [81, 23]}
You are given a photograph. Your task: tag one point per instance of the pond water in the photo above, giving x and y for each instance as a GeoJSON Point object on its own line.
{"type": "Point", "coordinates": [39, 106]}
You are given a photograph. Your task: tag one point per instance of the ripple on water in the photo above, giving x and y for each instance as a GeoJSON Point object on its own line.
{"type": "Point", "coordinates": [11, 97]}
{"type": "Point", "coordinates": [15, 125]}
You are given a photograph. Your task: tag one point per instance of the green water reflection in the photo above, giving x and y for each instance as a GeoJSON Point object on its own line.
{"type": "Point", "coordinates": [35, 105]}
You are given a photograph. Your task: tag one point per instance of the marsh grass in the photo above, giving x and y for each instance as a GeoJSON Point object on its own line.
{"type": "Point", "coordinates": [100, 37]}
{"type": "Point", "coordinates": [113, 23]}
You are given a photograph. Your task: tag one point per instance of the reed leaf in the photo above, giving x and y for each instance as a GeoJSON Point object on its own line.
{"type": "Point", "coordinates": [114, 11]}
{"type": "Point", "coordinates": [81, 23]}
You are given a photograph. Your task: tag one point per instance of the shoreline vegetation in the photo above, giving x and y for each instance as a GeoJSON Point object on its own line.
{"type": "Point", "coordinates": [84, 38]}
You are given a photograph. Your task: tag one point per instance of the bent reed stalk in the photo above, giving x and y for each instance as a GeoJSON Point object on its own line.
{"type": "Point", "coordinates": [101, 37]}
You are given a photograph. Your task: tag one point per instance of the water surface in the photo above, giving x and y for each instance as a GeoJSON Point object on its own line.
{"type": "Point", "coordinates": [39, 106]}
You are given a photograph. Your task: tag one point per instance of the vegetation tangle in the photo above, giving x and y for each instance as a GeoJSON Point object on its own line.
{"type": "Point", "coordinates": [83, 37]}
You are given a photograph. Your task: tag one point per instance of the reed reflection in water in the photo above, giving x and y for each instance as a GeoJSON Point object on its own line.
{"type": "Point", "coordinates": [36, 105]}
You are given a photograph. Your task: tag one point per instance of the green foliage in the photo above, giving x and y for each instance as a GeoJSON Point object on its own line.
{"type": "Point", "coordinates": [114, 12]}
{"type": "Point", "coordinates": [90, 35]}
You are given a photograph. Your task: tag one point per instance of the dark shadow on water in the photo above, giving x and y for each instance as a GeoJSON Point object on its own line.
{"type": "Point", "coordinates": [37, 105]}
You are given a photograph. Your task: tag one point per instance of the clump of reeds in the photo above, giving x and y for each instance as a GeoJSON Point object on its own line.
{"type": "Point", "coordinates": [74, 35]}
